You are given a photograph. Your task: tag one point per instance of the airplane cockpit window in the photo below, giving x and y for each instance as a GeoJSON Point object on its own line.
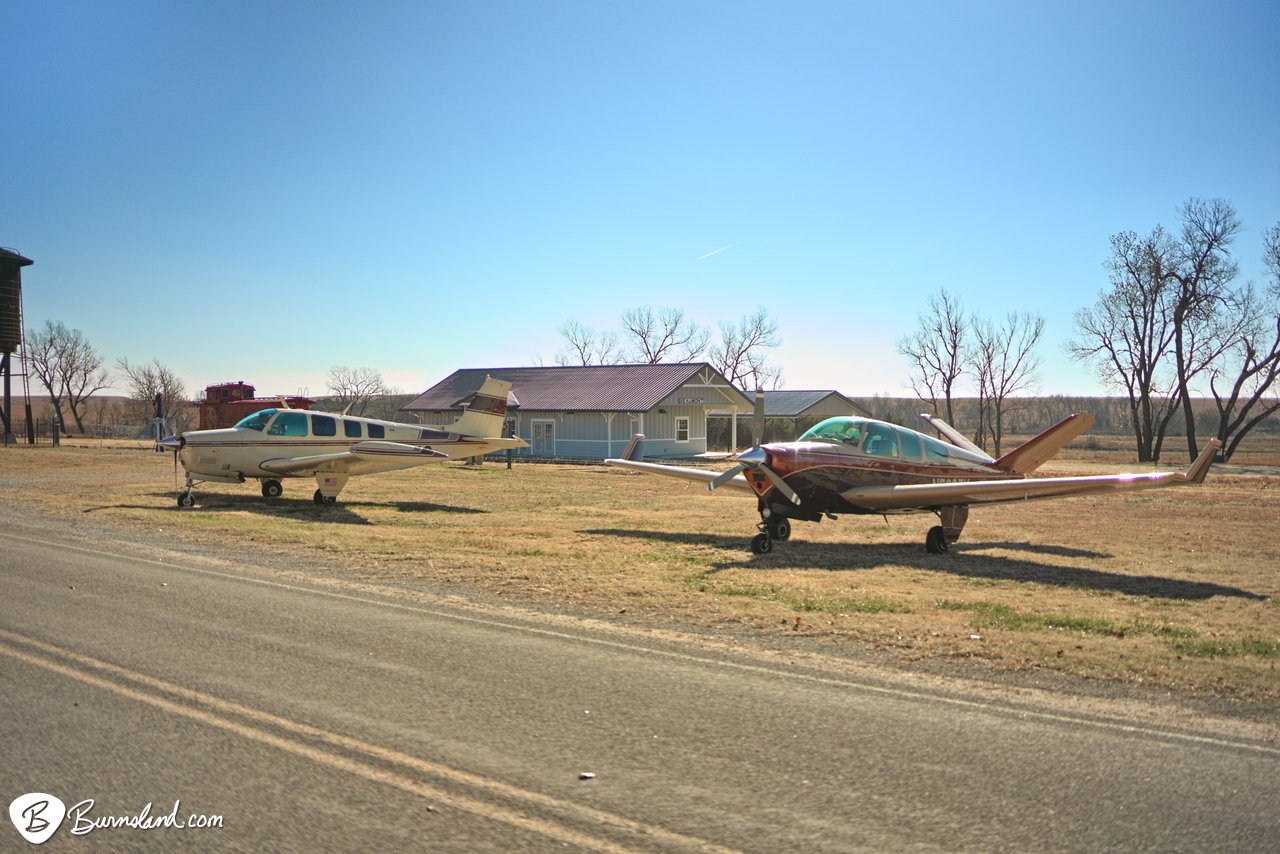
{"type": "Point", "coordinates": [323, 425]}
{"type": "Point", "coordinates": [289, 423]}
{"type": "Point", "coordinates": [351, 429]}
{"type": "Point", "coordinates": [882, 440]}
{"type": "Point", "coordinates": [257, 421]}
{"type": "Point", "coordinates": [909, 442]}
{"type": "Point", "coordinates": [935, 451]}
{"type": "Point", "coordinates": [841, 429]}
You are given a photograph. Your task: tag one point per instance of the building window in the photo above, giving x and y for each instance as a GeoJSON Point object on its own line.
{"type": "Point", "coordinates": [682, 429]}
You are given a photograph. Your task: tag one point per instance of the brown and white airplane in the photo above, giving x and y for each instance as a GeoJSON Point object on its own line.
{"type": "Point", "coordinates": [862, 466]}
{"type": "Point", "coordinates": [282, 443]}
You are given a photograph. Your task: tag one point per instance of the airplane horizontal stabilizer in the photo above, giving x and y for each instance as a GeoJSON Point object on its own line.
{"type": "Point", "coordinates": [954, 436]}
{"type": "Point", "coordinates": [1034, 453]}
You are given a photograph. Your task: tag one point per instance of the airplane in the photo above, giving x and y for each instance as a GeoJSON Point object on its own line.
{"type": "Point", "coordinates": [279, 443]}
{"type": "Point", "coordinates": [858, 465]}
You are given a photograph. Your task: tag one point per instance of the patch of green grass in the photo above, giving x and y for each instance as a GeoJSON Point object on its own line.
{"type": "Point", "coordinates": [809, 601]}
{"type": "Point", "coordinates": [1223, 648]}
{"type": "Point", "coordinates": [995, 615]}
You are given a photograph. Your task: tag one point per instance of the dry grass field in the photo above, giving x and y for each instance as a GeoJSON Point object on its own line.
{"type": "Point", "coordinates": [1177, 588]}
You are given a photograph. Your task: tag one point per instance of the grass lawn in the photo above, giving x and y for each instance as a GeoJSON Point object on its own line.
{"type": "Point", "coordinates": [1177, 587]}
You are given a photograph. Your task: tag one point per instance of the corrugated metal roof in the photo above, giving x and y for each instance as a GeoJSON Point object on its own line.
{"type": "Point", "coordinates": [575, 388]}
{"type": "Point", "coordinates": [792, 404]}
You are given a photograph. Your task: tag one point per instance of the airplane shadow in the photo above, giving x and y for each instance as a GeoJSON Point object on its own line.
{"type": "Point", "coordinates": [956, 562]}
{"type": "Point", "coordinates": [303, 508]}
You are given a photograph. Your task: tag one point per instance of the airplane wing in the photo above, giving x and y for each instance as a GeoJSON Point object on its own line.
{"type": "Point", "coordinates": [928, 495]}
{"type": "Point", "coordinates": [701, 475]}
{"type": "Point", "coordinates": [361, 457]}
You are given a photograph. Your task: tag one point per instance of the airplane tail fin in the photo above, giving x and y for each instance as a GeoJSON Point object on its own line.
{"type": "Point", "coordinates": [635, 448]}
{"type": "Point", "coordinates": [1200, 468]}
{"type": "Point", "coordinates": [486, 412]}
{"type": "Point", "coordinates": [1034, 453]}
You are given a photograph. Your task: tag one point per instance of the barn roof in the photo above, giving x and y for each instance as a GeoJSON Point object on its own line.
{"type": "Point", "coordinates": [576, 388]}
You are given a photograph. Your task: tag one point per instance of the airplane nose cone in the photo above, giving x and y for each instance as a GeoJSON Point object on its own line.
{"type": "Point", "coordinates": [171, 443]}
{"type": "Point", "coordinates": [753, 455]}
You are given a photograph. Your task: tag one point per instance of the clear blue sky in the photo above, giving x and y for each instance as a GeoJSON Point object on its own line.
{"type": "Point", "coordinates": [261, 190]}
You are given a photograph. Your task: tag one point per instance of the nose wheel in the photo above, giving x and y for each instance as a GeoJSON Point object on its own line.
{"type": "Point", "coordinates": [771, 528]}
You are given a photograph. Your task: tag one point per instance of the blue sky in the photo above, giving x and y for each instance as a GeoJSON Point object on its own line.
{"type": "Point", "coordinates": [263, 190]}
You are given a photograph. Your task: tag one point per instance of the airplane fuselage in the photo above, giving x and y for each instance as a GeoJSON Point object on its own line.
{"type": "Point", "coordinates": [821, 471]}
{"type": "Point", "coordinates": [237, 453]}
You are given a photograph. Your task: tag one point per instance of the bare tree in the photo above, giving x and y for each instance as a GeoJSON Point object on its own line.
{"type": "Point", "coordinates": [68, 366]}
{"type": "Point", "coordinates": [149, 380]}
{"type": "Point", "coordinates": [1129, 333]}
{"type": "Point", "coordinates": [356, 387]}
{"type": "Point", "coordinates": [1203, 269]}
{"type": "Point", "coordinates": [664, 335]}
{"type": "Point", "coordinates": [1004, 360]}
{"type": "Point", "coordinates": [936, 350]}
{"type": "Point", "coordinates": [1250, 364]}
{"type": "Point", "coordinates": [585, 346]}
{"type": "Point", "coordinates": [742, 350]}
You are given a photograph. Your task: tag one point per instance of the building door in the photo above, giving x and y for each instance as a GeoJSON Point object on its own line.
{"type": "Point", "coordinates": [544, 438]}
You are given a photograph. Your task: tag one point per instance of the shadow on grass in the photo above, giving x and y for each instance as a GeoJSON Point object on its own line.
{"type": "Point", "coordinates": [294, 508]}
{"type": "Point", "coordinates": [962, 561]}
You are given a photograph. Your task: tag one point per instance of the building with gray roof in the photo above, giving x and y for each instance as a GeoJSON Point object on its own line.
{"type": "Point", "coordinates": [592, 411]}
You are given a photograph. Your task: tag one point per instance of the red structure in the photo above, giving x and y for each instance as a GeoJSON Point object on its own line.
{"type": "Point", "coordinates": [225, 404]}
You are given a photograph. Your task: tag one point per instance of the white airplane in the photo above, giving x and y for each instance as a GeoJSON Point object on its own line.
{"type": "Point", "coordinates": [278, 443]}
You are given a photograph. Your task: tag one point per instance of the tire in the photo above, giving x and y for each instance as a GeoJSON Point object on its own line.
{"type": "Point", "coordinates": [320, 499]}
{"type": "Point", "coordinates": [186, 499]}
{"type": "Point", "coordinates": [779, 528]}
{"type": "Point", "coordinates": [271, 489]}
{"type": "Point", "coordinates": [936, 541]}
{"type": "Point", "coordinates": [761, 544]}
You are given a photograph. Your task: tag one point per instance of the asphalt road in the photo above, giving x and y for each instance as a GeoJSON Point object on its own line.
{"type": "Point", "coordinates": [304, 718]}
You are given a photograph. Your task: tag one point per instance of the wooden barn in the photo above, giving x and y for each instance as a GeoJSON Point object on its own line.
{"type": "Point", "coordinates": [591, 412]}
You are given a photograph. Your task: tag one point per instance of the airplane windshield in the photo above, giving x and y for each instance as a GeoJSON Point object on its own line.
{"type": "Point", "coordinates": [842, 429]}
{"type": "Point", "coordinates": [258, 420]}
{"type": "Point", "coordinates": [885, 440]}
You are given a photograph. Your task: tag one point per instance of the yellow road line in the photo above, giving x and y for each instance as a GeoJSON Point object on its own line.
{"type": "Point", "coordinates": [77, 667]}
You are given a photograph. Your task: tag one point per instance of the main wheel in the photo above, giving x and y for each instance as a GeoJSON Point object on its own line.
{"type": "Point", "coordinates": [935, 542]}
{"type": "Point", "coordinates": [320, 498]}
{"type": "Point", "coordinates": [779, 528]}
{"type": "Point", "coordinates": [271, 489]}
{"type": "Point", "coordinates": [761, 544]}
{"type": "Point", "coordinates": [186, 499]}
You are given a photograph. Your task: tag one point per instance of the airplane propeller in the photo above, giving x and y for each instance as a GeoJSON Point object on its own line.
{"type": "Point", "coordinates": [755, 458]}
{"type": "Point", "coordinates": [173, 443]}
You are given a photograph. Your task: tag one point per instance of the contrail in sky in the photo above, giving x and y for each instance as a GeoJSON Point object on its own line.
{"type": "Point", "coordinates": [716, 252]}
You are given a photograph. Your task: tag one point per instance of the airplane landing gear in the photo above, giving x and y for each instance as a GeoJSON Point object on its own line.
{"type": "Point", "coordinates": [772, 527]}
{"type": "Point", "coordinates": [936, 541]}
{"type": "Point", "coordinates": [321, 498]}
{"type": "Point", "coordinates": [940, 537]}
{"type": "Point", "coordinates": [271, 489]}
{"type": "Point", "coordinates": [761, 543]}
{"type": "Point", "coordinates": [187, 497]}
